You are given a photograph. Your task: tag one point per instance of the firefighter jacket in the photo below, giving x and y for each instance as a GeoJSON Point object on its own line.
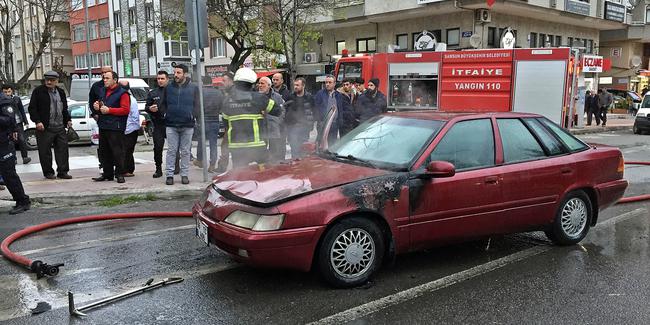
{"type": "Point", "coordinates": [244, 111]}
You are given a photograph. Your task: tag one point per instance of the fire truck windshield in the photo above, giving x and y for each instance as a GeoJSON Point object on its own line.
{"type": "Point", "coordinates": [348, 70]}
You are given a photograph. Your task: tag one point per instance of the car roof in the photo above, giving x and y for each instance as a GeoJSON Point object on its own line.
{"type": "Point", "coordinates": [445, 116]}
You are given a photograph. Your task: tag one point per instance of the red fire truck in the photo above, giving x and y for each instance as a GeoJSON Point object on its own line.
{"type": "Point", "coordinates": [492, 80]}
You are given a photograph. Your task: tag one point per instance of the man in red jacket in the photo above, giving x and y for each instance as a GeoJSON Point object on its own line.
{"type": "Point", "coordinates": [113, 110]}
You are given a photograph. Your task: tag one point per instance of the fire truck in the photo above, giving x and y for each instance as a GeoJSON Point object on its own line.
{"type": "Point", "coordinates": [492, 80]}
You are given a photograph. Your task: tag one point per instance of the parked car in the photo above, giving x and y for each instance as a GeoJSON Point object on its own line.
{"type": "Point", "coordinates": [642, 120]}
{"type": "Point", "coordinates": [139, 88]}
{"type": "Point", "coordinates": [629, 100]}
{"type": "Point", "coordinates": [81, 122]}
{"type": "Point", "coordinates": [406, 181]}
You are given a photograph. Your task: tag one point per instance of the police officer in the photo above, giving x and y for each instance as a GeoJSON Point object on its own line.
{"type": "Point", "coordinates": [8, 155]}
{"type": "Point", "coordinates": [158, 119]}
{"type": "Point", "coordinates": [244, 112]}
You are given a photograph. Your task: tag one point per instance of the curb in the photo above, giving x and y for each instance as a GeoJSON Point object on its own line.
{"type": "Point", "coordinates": [600, 130]}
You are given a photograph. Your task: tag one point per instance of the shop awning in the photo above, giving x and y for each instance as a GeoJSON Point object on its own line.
{"type": "Point", "coordinates": [267, 73]}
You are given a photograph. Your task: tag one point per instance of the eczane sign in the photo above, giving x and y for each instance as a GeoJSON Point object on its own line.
{"type": "Point", "coordinates": [592, 63]}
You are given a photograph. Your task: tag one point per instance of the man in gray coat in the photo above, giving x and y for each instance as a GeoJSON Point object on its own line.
{"type": "Point", "coordinates": [605, 100]}
{"type": "Point", "coordinates": [274, 124]}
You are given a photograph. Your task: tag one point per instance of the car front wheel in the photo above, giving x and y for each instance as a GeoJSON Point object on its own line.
{"type": "Point", "coordinates": [572, 220]}
{"type": "Point", "coordinates": [350, 253]}
{"type": "Point", "coordinates": [30, 139]}
{"type": "Point", "coordinates": [636, 129]}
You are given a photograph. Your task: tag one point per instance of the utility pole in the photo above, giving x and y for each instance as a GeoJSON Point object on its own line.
{"type": "Point", "coordinates": [90, 73]}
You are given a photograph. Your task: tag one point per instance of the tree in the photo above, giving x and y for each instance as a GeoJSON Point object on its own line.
{"type": "Point", "coordinates": [50, 11]}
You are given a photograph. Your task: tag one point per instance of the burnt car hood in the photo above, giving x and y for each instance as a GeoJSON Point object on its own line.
{"type": "Point", "coordinates": [274, 184]}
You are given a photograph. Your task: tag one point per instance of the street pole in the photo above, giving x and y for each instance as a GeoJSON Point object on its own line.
{"type": "Point", "coordinates": [90, 73]}
{"type": "Point", "coordinates": [572, 103]}
{"type": "Point", "coordinates": [197, 54]}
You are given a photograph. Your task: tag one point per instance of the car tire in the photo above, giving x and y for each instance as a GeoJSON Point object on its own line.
{"type": "Point", "coordinates": [635, 129]}
{"type": "Point", "coordinates": [30, 139]}
{"type": "Point", "coordinates": [572, 220]}
{"type": "Point", "coordinates": [351, 252]}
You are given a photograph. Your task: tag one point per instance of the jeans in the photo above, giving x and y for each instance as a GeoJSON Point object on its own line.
{"type": "Point", "coordinates": [211, 135]}
{"type": "Point", "coordinates": [178, 139]}
{"type": "Point", "coordinates": [296, 136]}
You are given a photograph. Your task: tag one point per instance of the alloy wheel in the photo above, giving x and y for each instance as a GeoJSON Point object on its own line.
{"type": "Point", "coordinates": [574, 217]}
{"type": "Point", "coordinates": [352, 253]}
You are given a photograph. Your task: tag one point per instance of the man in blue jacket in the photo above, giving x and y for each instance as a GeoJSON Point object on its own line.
{"type": "Point", "coordinates": [180, 103]}
{"type": "Point", "coordinates": [324, 100]}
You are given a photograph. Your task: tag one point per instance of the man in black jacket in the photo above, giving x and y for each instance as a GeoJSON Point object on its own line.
{"type": "Point", "coordinates": [48, 108]}
{"type": "Point", "coordinates": [299, 117]}
{"type": "Point", "coordinates": [21, 119]}
{"type": "Point", "coordinates": [212, 101]}
{"type": "Point", "coordinates": [279, 86]}
{"type": "Point", "coordinates": [154, 98]}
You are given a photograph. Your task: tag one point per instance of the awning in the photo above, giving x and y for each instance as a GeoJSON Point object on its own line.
{"type": "Point", "coordinates": [267, 73]}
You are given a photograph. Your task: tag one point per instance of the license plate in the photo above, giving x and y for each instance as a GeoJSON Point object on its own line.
{"type": "Point", "coordinates": [202, 231]}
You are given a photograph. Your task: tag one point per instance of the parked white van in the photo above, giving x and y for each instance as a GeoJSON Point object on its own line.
{"type": "Point", "coordinates": [139, 88]}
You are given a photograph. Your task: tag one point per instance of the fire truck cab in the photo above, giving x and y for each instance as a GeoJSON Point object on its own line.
{"type": "Point", "coordinates": [490, 80]}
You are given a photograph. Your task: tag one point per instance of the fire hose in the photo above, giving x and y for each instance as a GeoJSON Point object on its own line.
{"type": "Point", "coordinates": [42, 269]}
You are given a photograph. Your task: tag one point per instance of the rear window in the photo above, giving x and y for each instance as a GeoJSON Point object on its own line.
{"type": "Point", "coordinates": [552, 144]}
{"type": "Point", "coordinates": [518, 143]}
{"type": "Point", "coordinates": [569, 140]}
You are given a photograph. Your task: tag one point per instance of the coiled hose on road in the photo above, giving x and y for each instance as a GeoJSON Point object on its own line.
{"type": "Point", "coordinates": [42, 269]}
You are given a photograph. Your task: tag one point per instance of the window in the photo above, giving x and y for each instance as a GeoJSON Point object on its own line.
{"type": "Point", "coordinates": [77, 111]}
{"type": "Point", "coordinates": [47, 58]}
{"type": "Point", "coordinates": [37, 35]}
{"type": "Point", "coordinates": [19, 67]}
{"type": "Point", "coordinates": [134, 51]}
{"type": "Point", "coordinates": [105, 59]}
{"type": "Point", "coordinates": [647, 14]}
{"type": "Point", "coordinates": [453, 37]}
{"type": "Point", "coordinates": [492, 38]}
{"type": "Point", "coordinates": [104, 28]}
{"type": "Point", "coordinates": [542, 40]}
{"type": "Point", "coordinates": [80, 62]}
{"type": "Point", "coordinates": [30, 60]}
{"type": "Point", "coordinates": [148, 13]}
{"type": "Point", "coordinates": [217, 47]}
{"type": "Point", "coordinates": [569, 41]}
{"type": "Point", "coordinates": [553, 146]}
{"type": "Point", "coordinates": [590, 46]}
{"type": "Point", "coordinates": [94, 60]}
{"type": "Point", "coordinates": [18, 42]}
{"type": "Point", "coordinates": [116, 19]}
{"type": "Point", "coordinates": [90, 3]}
{"type": "Point", "coordinates": [518, 143]}
{"type": "Point", "coordinates": [118, 52]}
{"type": "Point", "coordinates": [402, 40]}
{"type": "Point", "coordinates": [349, 70]}
{"type": "Point", "coordinates": [77, 4]}
{"type": "Point", "coordinates": [34, 10]}
{"type": "Point", "coordinates": [340, 46]}
{"type": "Point", "coordinates": [101, 1]}
{"type": "Point", "coordinates": [366, 45]}
{"type": "Point", "coordinates": [29, 36]}
{"type": "Point", "coordinates": [569, 140]}
{"type": "Point", "coordinates": [92, 29]}
{"type": "Point", "coordinates": [151, 49]}
{"type": "Point", "coordinates": [177, 47]}
{"type": "Point", "coordinates": [558, 40]}
{"type": "Point", "coordinates": [532, 40]}
{"type": "Point", "coordinates": [132, 19]}
{"type": "Point", "coordinates": [78, 33]}
{"type": "Point", "coordinates": [468, 144]}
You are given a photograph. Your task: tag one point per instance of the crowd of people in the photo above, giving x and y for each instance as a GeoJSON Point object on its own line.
{"type": "Point", "coordinates": [261, 115]}
{"type": "Point", "coordinates": [597, 105]}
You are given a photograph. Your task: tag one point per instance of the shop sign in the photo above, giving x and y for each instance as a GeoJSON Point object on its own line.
{"type": "Point", "coordinates": [466, 34]}
{"type": "Point", "coordinates": [616, 52]}
{"type": "Point", "coordinates": [84, 76]}
{"type": "Point", "coordinates": [577, 7]}
{"type": "Point", "coordinates": [425, 41]}
{"type": "Point", "coordinates": [614, 11]}
{"type": "Point", "coordinates": [592, 63]}
{"type": "Point", "coordinates": [216, 70]}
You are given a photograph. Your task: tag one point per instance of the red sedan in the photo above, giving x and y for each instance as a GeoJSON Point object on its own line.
{"type": "Point", "coordinates": [406, 181]}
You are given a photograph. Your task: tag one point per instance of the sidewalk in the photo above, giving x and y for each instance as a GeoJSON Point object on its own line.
{"type": "Point", "coordinates": [615, 122]}
{"type": "Point", "coordinates": [83, 168]}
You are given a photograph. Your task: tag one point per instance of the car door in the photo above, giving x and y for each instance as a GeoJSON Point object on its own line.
{"type": "Point", "coordinates": [79, 116]}
{"type": "Point", "coordinates": [536, 171]}
{"type": "Point", "coordinates": [467, 204]}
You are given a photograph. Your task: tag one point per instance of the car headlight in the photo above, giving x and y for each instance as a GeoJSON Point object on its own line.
{"type": "Point", "coordinates": [257, 222]}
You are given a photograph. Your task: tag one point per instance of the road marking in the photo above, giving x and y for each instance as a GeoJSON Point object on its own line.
{"type": "Point", "coordinates": [88, 243]}
{"type": "Point", "coordinates": [412, 293]}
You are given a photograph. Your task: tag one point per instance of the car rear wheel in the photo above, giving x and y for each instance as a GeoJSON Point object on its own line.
{"type": "Point", "coordinates": [30, 139]}
{"type": "Point", "coordinates": [350, 253]}
{"type": "Point", "coordinates": [636, 129]}
{"type": "Point", "coordinates": [572, 220]}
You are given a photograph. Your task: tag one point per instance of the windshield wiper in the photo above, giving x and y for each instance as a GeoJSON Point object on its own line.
{"type": "Point", "coordinates": [348, 157]}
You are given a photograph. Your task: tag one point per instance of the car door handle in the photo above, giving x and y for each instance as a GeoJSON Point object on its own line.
{"type": "Point", "coordinates": [566, 170]}
{"type": "Point", "coordinates": [492, 180]}
{"type": "Point", "coordinates": [82, 122]}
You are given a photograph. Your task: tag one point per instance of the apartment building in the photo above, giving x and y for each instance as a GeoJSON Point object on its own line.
{"type": "Point", "coordinates": [98, 34]}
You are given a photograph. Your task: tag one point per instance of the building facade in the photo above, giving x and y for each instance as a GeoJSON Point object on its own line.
{"type": "Point", "coordinates": [98, 34]}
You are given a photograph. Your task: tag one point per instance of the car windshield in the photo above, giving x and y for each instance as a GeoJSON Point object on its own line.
{"type": "Point", "coordinates": [634, 96]}
{"type": "Point", "coordinates": [140, 94]}
{"type": "Point", "coordinates": [386, 141]}
{"type": "Point", "coordinates": [646, 102]}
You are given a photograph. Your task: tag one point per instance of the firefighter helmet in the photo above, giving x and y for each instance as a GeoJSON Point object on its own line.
{"type": "Point", "coordinates": [245, 75]}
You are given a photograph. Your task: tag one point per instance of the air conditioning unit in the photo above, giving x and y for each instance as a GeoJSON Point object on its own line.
{"type": "Point", "coordinates": [310, 57]}
{"type": "Point", "coordinates": [483, 15]}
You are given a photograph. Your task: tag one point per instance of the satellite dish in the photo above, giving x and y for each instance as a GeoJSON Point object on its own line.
{"type": "Point", "coordinates": [636, 61]}
{"type": "Point", "coordinates": [475, 41]}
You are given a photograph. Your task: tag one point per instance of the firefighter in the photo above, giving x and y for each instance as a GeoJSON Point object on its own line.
{"type": "Point", "coordinates": [8, 155]}
{"type": "Point", "coordinates": [244, 112]}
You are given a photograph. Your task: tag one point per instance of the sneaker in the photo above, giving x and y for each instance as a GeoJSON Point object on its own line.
{"type": "Point", "coordinates": [20, 208]}
{"type": "Point", "coordinates": [120, 179]}
{"type": "Point", "coordinates": [169, 181]}
{"type": "Point", "coordinates": [64, 176]}
{"type": "Point", "coordinates": [198, 163]}
{"type": "Point", "coordinates": [50, 176]}
{"type": "Point", "coordinates": [26, 160]}
{"type": "Point", "coordinates": [185, 180]}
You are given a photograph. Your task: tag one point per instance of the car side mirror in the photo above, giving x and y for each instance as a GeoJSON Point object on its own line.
{"type": "Point", "coordinates": [438, 169]}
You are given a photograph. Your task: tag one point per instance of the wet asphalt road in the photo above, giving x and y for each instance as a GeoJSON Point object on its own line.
{"type": "Point", "coordinates": [511, 279]}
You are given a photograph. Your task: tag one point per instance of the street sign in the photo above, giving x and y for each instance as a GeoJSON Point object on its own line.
{"type": "Point", "coordinates": [592, 63]}
{"type": "Point", "coordinates": [201, 20]}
